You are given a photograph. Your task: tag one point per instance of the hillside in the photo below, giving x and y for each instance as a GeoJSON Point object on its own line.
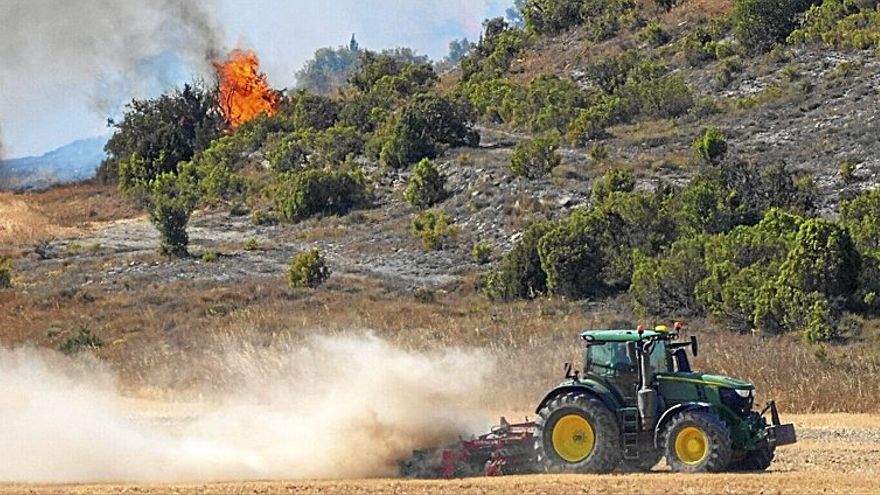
{"type": "Point", "coordinates": [73, 162]}
{"type": "Point", "coordinates": [411, 253]}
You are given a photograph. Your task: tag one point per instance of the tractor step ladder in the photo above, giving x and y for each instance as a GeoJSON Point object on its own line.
{"type": "Point", "coordinates": [629, 420]}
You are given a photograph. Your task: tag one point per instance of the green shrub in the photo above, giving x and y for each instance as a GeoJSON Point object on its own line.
{"type": "Point", "coordinates": [601, 18]}
{"type": "Point", "coordinates": [5, 273]}
{"type": "Point", "coordinates": [291, 152]}
{"type": "Point", "coordinates": [251, 244]}
{"type": "Point", "coordinates": [84, 340]}
{"type": "Point", "coordinates": [426, 187]}
{"type": "Point", "coordinates": [664, 97]}
{"type": "Point", "coordinates": [861, 217]}
{"type": "Point", "coordinates": [842, 24]}
{"type": "Point", "coordinates": [492, 57]}
{"type": "Point", "coordinates": [264, 217]}
{"type": "Point", "coordinates": [571, 256]}
{"type": "Point", "coordinates": [759, 24]}
{"type": "Point", "coordinates": [549, 103]}
{"type": "Point", "coordinates": [711, 146]}
{"type": "Point", "coordinates": [598, 152]}
{"type": "Point", "coordinates": [427, 123]}
{"type": "Point", "coordinates": [823, 259]}
{"type": "Point", "coordinates": [615, 180]}
{"type": "Point", "coordinates": [665, 285]}
{"type": "Point", "coordinates": [654, 35]}
{"type": "Point", "coordinates": [172, 202]}
{"type": "Point", "coordinates": [482, 252]}
{"type": "Point", "coordinates": [299, 195]}
{"type": "Point", "coordinates": [536, 157]}
{"type": "Point", "coordinates": [708, 41]}
{"type": "Point", "coordinates": [847, 169]}
{"type": "Point", "coordinates": [210, 256]}
{"type": "Point", "coordinates": [338, 144]}
{"type": "Point", "coordinates": [435, 228]}
{"type": "Point", "coordinates": [311, 111]}
{"type": "Point", "coordinates": [520, 275]}
{"type": "Point", "coordinates": [425, 295]}
{"type": "Point", "coordinates": [741, 263]}
{"type": "Point", "coordinates": [308, 270]}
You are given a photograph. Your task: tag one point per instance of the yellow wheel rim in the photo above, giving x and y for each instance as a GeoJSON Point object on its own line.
{"type": "Point", "coordinates": [573, 438]}
{"type": "Point", "coordinates": [691, 445]}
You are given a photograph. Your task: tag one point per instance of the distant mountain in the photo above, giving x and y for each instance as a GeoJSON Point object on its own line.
{"type": "Point", "coordinates": [74, 162]}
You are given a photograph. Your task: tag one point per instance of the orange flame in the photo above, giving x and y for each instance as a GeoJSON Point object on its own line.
{"type": "Point", "coordinates": [244, 91]}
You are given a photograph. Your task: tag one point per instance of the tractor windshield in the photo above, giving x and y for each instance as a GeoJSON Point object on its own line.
{"type": "Point", "coordinates": [611, 359]}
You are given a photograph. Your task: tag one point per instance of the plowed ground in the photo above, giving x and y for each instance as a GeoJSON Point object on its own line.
{"type": "Point", "coordinates": [837, 453]}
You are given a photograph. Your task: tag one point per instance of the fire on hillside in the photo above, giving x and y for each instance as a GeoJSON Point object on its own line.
{"type": "Point", "coordinates": [244, 92]}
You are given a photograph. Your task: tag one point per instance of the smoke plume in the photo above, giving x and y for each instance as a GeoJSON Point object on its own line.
{"type": "Point", "coordinates": [117, 50]}
{"type": "Point", "coordinates": [333, 407]}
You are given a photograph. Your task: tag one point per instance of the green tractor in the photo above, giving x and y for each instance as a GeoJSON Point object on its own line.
{"type": "Point", "coordinates": [637, 400]}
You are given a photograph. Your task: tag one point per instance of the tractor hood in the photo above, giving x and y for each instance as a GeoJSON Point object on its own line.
{"type": "Point", "coordinates": [711, 380]}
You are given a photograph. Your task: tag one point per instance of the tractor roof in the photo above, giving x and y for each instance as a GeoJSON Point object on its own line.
{"type": "Point", "coordinates": [620, 335]}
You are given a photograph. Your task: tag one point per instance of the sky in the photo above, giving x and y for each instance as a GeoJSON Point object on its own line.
{"type": "Point", "coordinates": [66, 66]}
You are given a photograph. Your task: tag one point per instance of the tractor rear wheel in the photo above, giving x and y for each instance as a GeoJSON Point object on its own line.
{"type": "Point", "coordinates": [697, 442]}
{"type": "Point", "coordinates": [577, 433]}
{"type": "Point", "coordinates": [754, 460]}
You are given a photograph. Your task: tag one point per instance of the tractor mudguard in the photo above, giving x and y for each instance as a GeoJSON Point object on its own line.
{"type": "Point", "coordinates": [590, 387]}
{"type": "Point", "coordinates": [672, 411]}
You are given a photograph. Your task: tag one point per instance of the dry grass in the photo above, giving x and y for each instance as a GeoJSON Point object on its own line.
{"type": "Point", "coordinates": [60, 212]}
{"type": "Point", "coordinates": [149, 331]}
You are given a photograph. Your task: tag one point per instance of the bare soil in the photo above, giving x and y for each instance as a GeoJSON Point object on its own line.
{"type": "Point", "coordinates": [837, 453]}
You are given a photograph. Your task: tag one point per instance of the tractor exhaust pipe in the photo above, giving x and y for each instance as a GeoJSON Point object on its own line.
{"type": "Point", "coordinates": [647, 395]}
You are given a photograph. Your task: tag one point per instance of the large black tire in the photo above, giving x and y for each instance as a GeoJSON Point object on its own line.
{"type": "Point", "coordinates": [575, 407]}
{"type": "Point", "coordinates": [754, 460]}
{"type": "Point", "coordinates": [697, 442]}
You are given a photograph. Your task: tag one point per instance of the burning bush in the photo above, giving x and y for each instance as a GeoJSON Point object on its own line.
{"type": "Point", "coordinates": [244, 92]}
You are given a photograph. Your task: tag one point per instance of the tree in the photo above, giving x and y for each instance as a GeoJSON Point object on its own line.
{"type": "Point", "coordinates": [328, 71]}
{"type": "Point", "coordinates": [156, 135]}
{"type": "Point", "coordinates": [458, 49]}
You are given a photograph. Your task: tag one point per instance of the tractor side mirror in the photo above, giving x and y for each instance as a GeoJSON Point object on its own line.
{"type": "Point", "coordinates": [695, 346]}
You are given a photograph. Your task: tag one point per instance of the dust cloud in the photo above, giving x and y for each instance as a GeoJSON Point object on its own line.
{"type": "Point", "coordinates": [329, 407]}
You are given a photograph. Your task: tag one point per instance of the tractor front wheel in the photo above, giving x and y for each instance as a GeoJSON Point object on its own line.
{"type": "Point", "coordinates": [577, 433]}
{"type": "Point", "coordinates": [697, 442]}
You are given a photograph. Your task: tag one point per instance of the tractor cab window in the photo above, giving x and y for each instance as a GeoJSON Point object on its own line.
{"type": "Point", "coordinates": [659, 358]}
{"type": "Point", "coordinates": [611, 359]}
{"type": "Point", "coordinates": [616, 358]}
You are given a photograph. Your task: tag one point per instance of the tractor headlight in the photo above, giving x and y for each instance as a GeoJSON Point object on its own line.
{"type": "Point", "coordinates": [745, 394]}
